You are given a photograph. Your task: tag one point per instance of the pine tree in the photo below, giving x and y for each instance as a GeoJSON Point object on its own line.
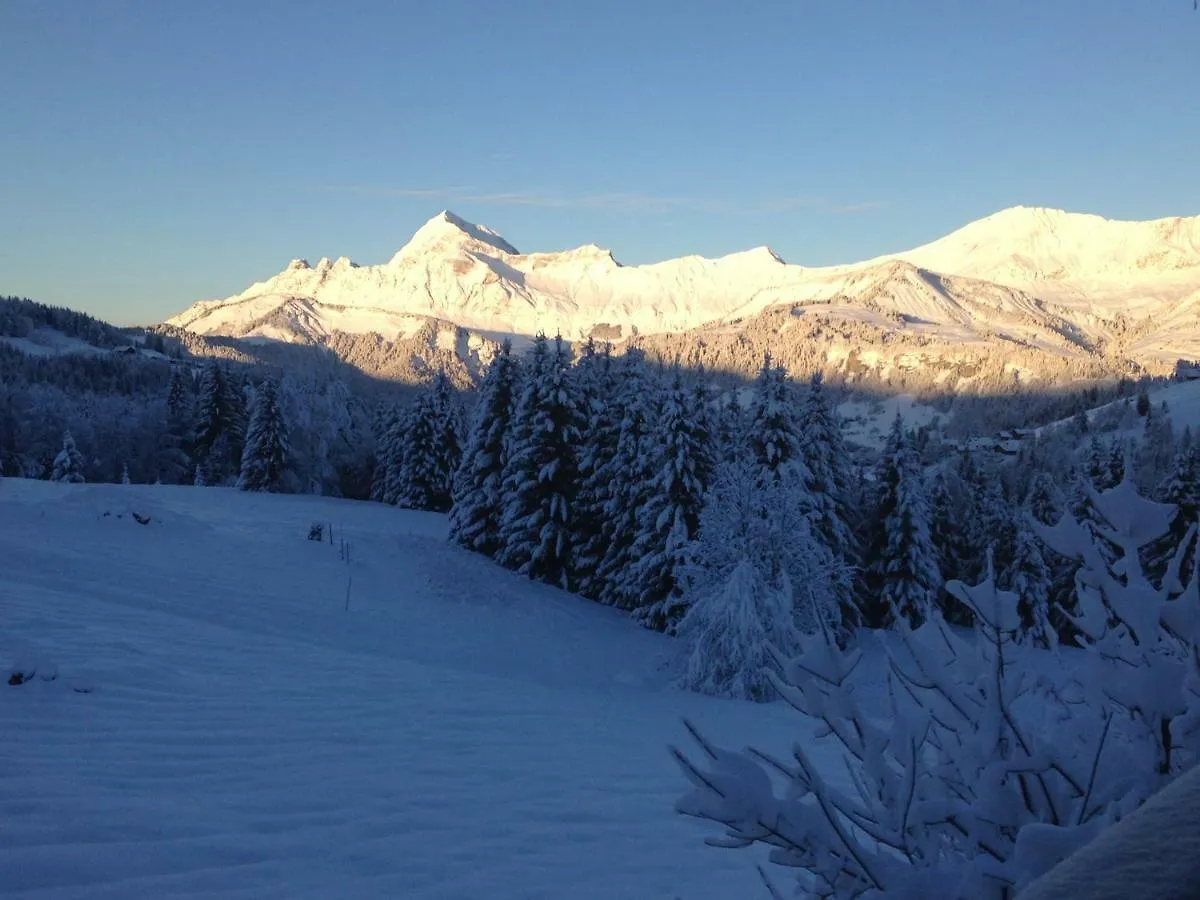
{"type": "Point", "coordinates": [69, 463]}
{"type": "Point", "coordinates": [757, 577]}
{"type": "Point", "coordinates": [670, 519]}
{"type": "Point", "coordinates": [1155, 453]}
{"type": "Point", "coordinates": [539, 479]}
{"type": "Point", "coordinates": [902, 569]}
{"type": "Point", "coordinates": [220, 424]}
{"type": "Point", "coordinates": [631, 474]}
{"type": "Point", "coordinates": [428, 449]}
{"type": "Point", "coordinates": [598, 386]}
{"type": "Point", "coordinates": [475, 516]}
{"type": "Point", "coordinates": [1143, 403]}
{"type": "Point", "coordinates": [1116, 464]}
{"type": "Point", "coordinates": [417, 482]}
{"type": "Point", "coordinates": [771, 433]}
{"type": "Point", "coordinates": [174, 460]}
{"type": "Point", "coordinates": [265, 457]}
{"type": "Point", "coordinates": [729, 432]}
{"type": "Point", "coordinates": [1045, 501]}
{"type": "Point", "coordinates": [825, 457]}
{"type": "Point", "coordinates": [1029, 577]}
{"type": "Point", "coordinates": [1181, 489]}
{"type": "Point", "coordinates": [385, 420]}
{"type": "Point", "coordinates": [1097, 465]}
{"type": "Point", "coordinates": [947, 508]}
{"type": "Point", "coordinates": [447, 439]}
{"type": "Point", "coordinates": [703, 427]}
{"type": "Point", "coordinates": [989, 526]}
{"type": "Point", "coordinates": [393, 457]}
{"type": "Point", "coordinates": [125, 474]}
{"type": "Point", "coordinates": [211, 417]}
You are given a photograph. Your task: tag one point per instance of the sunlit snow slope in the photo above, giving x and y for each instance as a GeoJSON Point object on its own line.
{"type": "Point", "coordinates": [219, 725]}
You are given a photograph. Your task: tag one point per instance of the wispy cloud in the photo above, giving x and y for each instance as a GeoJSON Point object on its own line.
{"type": "Point", "coordinates": [613, 201]}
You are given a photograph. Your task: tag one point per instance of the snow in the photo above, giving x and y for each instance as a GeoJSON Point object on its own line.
{"type": "Point", "coordinates": [1183, 406]}
{"type": "Point", "coordinates": [867, 422]}
{"type": "Point", "coordinates": [1023, 245]}
{"type": "Point", "coordinates": [1020, 272]}
{"type": "Point", "coordinates": [221, 725]}
{"type": "Point", "coordinates": [49, 342]}
{"type": "Point", "coordinates": [1150, 853]}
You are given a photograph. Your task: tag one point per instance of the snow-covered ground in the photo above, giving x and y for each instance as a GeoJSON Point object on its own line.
{"type": "Point", "coordinates": [48, 342]}
{"type": "Point", "coordinates": [221, 725]}
{"type": "Point", "coordinates": [868, 422]}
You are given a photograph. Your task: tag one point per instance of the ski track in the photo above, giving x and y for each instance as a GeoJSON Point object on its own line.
{"type": "Point", "coordinates": [459, 733]}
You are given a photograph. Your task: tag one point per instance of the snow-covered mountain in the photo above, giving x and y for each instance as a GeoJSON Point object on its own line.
{"type": "Point", "coordinates": [1064, 281]}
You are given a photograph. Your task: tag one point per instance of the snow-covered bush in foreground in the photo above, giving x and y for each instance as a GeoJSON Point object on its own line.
{"type": "Point", "coordinates": [993, 759]}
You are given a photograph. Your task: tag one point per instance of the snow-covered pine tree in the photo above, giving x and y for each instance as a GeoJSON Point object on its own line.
{"type": "Point", "coordinates": [125, 474]}
{"type": "Point", "coordinates": [631, 475]}
{"type": "Point", "coordinates": [417, 480]}
{"type": "Point", "coordinates": [1181, 489]}
{"type": "Point", "coordinates": [1045, 501]}
{"type": "Point", "coordinates": [756, 577]}
{"type": "Point", "coordinates": [729, 428]}
{"type": "Point", "coordinates": [174, 464]}
{"type": "Point", "coordinates": [702, 412]}
{"type": "Point", "coordinates": [901, 574]}
{"type": "Point", "coordinates": [211, 417]}
{"type": "Point", "coordinates": [448, 438]}
{"type": "Point", "coordinates": [475, 516]}
{"type": "Point", "coordinates": [948, 507]}
{"type": "Point", "coordinates": [1155, 451]}
{"type": "Point", "coordinates": [1028, 575]}
{"type": "Point", "coordinates": [1096, 465]}
{"type": "Point", "coordinates": [266, 453]}
{"type": "Point", "coordinates": [394, 448]}
{"type": "Point", "coordinates": [988, 525]}
{"type": "Point", "coordinates": [428, 449]}
{"type": "Point", "coordinates": [826, 459]}
{"type": "Point", "coordinates": [381, 427]}
{"type": "Point", "coordinates": [601, 414]}
{"type": "Point", "coordinates": [1117, 454]}
{"type": "Point", "coordinates": [670, 518]}
{"type": "Point", "coordinates": [539, 480]}
{"type": "Point", "coordinates": [772, 432]}
{"type": "Point", "coordinates": [220, 424]}
{"type": "Point", "coordinates": [68, 464]}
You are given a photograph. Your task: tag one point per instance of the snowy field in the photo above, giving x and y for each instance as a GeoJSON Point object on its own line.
{"type": "Point", "coordinates": [220, 725]}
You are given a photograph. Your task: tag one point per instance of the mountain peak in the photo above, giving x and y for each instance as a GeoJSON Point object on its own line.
{"type": "Point", "coordinates": [1022, 245]}
{"type": "Point", "coordinates": [446, 228]}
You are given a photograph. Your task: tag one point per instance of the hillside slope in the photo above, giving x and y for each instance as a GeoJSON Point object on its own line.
{"type": "Point", "coordinates": [220, 725]}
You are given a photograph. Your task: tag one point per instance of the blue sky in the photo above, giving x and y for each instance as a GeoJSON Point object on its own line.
{"type": "Point", "coordinates": [156, 153]}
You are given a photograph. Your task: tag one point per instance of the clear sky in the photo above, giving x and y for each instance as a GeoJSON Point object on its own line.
{"type": "Point", "coordinates": [154, 153]}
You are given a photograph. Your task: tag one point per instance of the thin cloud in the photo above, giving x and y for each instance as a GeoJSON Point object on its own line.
{"type": "Point", "coordinates": [612, 201]}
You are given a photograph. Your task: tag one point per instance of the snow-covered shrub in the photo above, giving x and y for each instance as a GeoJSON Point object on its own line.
{"type": "Point", "coordinates": [1142, 641]}
{"type": "Point", "coordinates": [68, 464]}
{"type": "Point", "coordinates": [992, 759]}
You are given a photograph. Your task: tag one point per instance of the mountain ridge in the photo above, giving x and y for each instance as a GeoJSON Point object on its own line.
{"type": "Point", "coordinates": [1036, 264]}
